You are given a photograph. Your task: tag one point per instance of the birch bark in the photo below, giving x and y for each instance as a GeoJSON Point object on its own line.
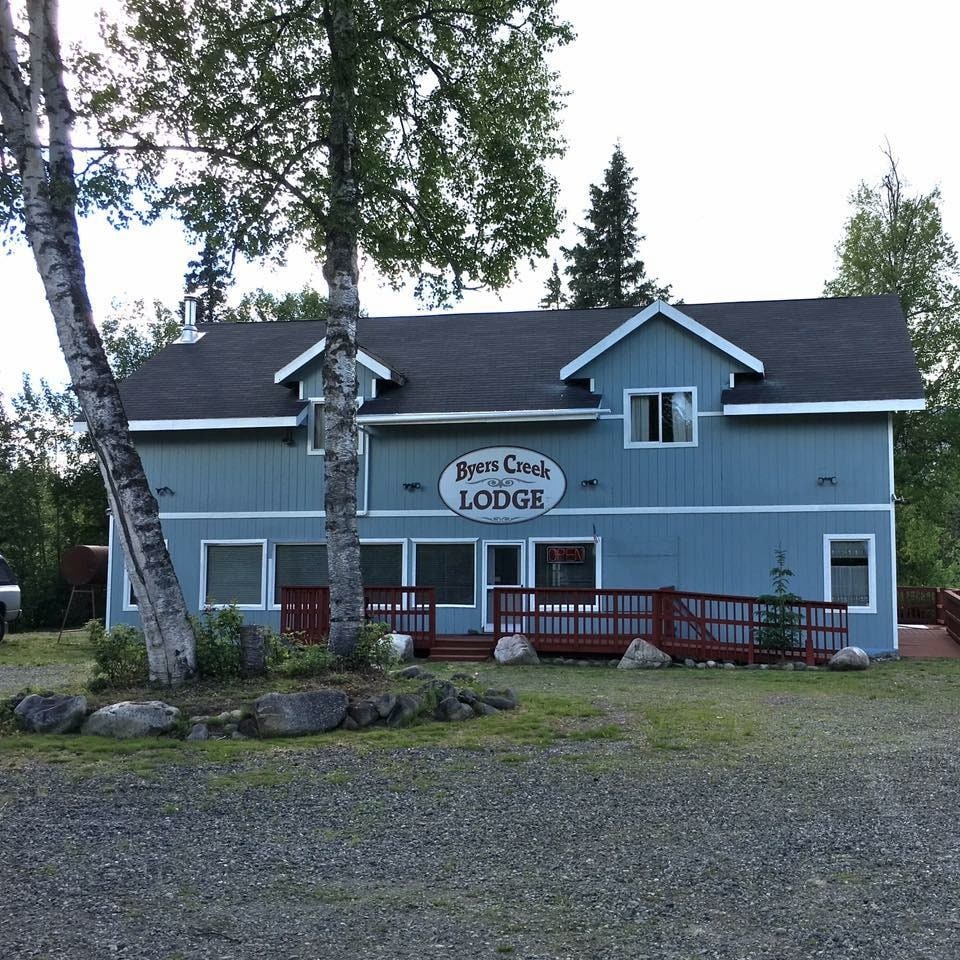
{"type": "Point", "coordinates": [48, 185]}
{"type": "Point", "coordinates": [340, 356]}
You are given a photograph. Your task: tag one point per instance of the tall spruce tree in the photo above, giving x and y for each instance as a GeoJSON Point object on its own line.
{"type": "Point", "coordinates": [603, 268]}
{"type": "Point", "coordinates": [553, 296]}
{"type": "Point", "coordinates": [210, 275]}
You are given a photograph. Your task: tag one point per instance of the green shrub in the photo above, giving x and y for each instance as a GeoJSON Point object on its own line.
{"type": "Point", "coordinates": [304, 660]}
{"type": "Point", "coordinates": [373, 649]}
{"type": "Point", "coordinates": [218, 643]}
{"type": "Point", "coordinates": [120, 656]}
{"type": "Point", "coordinates": [780, 619]}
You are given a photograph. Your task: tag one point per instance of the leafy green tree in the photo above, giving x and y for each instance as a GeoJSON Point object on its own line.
{"type": "Point", "coordinates": [553, 296]}
{"type": "Point", "coordinates": [895, 242]}
{"type": "Point", "coordinates": [132, 335]}
{"type": "Point", "coordinates": [416, 132]}
{"type": "Point", "coordinates": [210, 275]}
{"type": "Point", "coordinates": [260, 306]}
{"type": "Point", "coordinates": [603, 268]}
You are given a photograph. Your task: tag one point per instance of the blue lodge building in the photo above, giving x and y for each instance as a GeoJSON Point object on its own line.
{"type": "Point", "coordinates": [674, 445]}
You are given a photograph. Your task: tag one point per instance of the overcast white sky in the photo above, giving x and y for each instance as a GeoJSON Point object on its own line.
{"type": "Point", "coordinates": [747, 123]}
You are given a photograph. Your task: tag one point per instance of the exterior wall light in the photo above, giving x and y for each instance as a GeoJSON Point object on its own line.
{"type": "Point", "coordinates": [822, 481]}
{"type": "Point", "coordinates": [287, 439]}
{"type": "Point", "coordinates": [164, 492]}
{"type": "Point", "coordinates": [589, 483]}
{"type": "Point", "coordinates": [412, 485]}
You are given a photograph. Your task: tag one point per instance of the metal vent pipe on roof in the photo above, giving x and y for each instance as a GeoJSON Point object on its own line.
{"type": "Point", "coordinates": [189, 333]}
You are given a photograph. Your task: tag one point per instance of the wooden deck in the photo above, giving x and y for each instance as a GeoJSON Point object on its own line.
{"type": "Point", "coordinates": [927, 641]}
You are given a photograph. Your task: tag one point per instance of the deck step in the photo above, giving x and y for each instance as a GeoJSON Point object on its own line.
{"type": "Point", "coordinates": [466, 648]}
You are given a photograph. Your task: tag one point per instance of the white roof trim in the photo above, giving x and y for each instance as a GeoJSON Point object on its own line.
{"type": "Point", "coordinates": [658, 307]}
{"type": "Point", "coordinates": [221, 423]}
{"type": "Point", "coordinates": [825, 406]}
{"type": "Point", "coordinates": [482, 416]}
{"type": "Point", "coordinates": [363, 358]}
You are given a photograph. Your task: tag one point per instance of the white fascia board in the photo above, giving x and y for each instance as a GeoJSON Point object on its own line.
{"type": "Point", "coordinates": [481, 416]}
{"type": "Point", "coordinates": [832, 406]}
{"type": "Point", "coordinates": [363, 358]}
{"type": "Point", "coordinates": [224, 423]}
{"type": "Point", "coordinates": [659, 308]}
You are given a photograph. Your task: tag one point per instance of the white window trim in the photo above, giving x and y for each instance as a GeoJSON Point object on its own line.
{"type": "Point", "coordinates": [871, 540]}
{"type": "Point", "coordinates": [203, 574]}
{"type": "Point", "coordinates": [313, 451]}
{"type": "Point", "coordinates": [127, 606]}
{"type": "Point", "coordinates": [427, 540]}
{"type": "Point", "coordinates": [631, 392]}
{"type": "Point", "coordinates": [315, 543]}
{"type": "Point", "coordinates": [487, 587]}
{"type": "Point", "coordinates": [597, 572]}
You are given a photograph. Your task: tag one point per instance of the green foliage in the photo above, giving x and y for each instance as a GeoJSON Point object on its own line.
{"type": "Point", "coordinates": [780, 619]}
{"type": "Point", "coordinates": [373, 649]}
{"type": "Point", "coordinates": [895, 242]}
{"type": "Point", "coordinates": [51, 497]}
{"type": "Point", "coordinates": [603, 268]}
{"type": "Point", "coordinates": [454, 117]}
{"type": "Point", "coordinates": [218, 643]}
{"type": "Point", "coordinates": [260, 306]}
{"type": "Point", "coordinates": [306, 660]}
{"type": "Point", "coordinates": [553, 295]}
{"type": "Point", "coordinates": [120, 656]}
{"type": "Point", "coordinates": [132, 334]}
{"type": "Point", "coordinates": [209, 276]}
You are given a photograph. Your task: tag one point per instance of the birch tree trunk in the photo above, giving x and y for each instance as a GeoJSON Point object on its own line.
{"type": "Point", "coordinates": [48, 188]}
{"type": "Point", "coordinates": [340, 356]}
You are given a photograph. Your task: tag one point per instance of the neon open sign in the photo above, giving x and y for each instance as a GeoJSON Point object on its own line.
{"type": "Point", "coordinates": [571, 554]}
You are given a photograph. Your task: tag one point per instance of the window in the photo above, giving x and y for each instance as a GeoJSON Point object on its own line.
{"type": "Point", "coordinates": [305, 565]}
{"type": "Point", "coordinates": [316, 425]}
{"type": "Point", "coordinates": [850, 572]}
{"type": "Point", "coordinates": [656, 418]}
{"type": "Point", "coordinates": [450, 567]}
{"type": "Point", "coordinates": [129, 597]}
{"type": "Point", "coordinates": [233, 573]}
{"type": "Point", "coordinates": [564, 564]}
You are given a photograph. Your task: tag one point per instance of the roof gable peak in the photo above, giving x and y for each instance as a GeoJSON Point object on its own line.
{"type": "Point", "coordinates": [660, 308]}
{"type": "Point", "coordinates": [377, 367]}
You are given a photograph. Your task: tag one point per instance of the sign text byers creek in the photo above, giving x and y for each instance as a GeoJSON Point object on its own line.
{"type": "Point", "coordinates": [502, 485]}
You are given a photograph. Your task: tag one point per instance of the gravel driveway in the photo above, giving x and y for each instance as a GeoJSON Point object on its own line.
{"type": "Point", "coordinates": [575, 851]}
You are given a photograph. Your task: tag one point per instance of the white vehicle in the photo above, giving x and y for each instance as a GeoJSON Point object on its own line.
{"type": "Point", "coordinates": [9, 597]}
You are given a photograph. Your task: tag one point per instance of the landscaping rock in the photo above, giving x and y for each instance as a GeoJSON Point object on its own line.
{"type": "Point", "coordinates": [482, 709]}
{"type": "Point", "coordinates": [787, 666]}
{"type": "Point", "coordinates": [413, 673]}
{"type": "Point", "coordinates": [799, 665]}
{"type": "Point", "coordinates": [729, 666]}
{"type": "Point", "coordinates": [129, 719]}
{"type": "Point", "coordinates": [406, 709]}
{"type": "Point", "coordinates": [248, 727]}
{"type": "Point", "coordinates": [515, 650]}
{"type": "Point", "coordinates": [452, 709]}
{"type": "Point", "coordinates": [364, 713]}
{"type": "Point", "coordinates": [199, 731]}
{"type": "Point", "coordinates": [711, 663]}
{"type": "Point", "coordinates": [349, 723]}
{"type": "Point", "coordinates": [467, 696]}
{"type": "Point", "coordinates": [298, 714]}
{"type": "Point", "coordinates": [441, 689]}
{"type": "Point", "coordinates": [385, 704]}
{"type": "Point", "coordinates": [689, 663]}
{"type": "Point", "coordinates": [402, 645]}
{"type": "Point", "coordinates": [501, 699]}
{"type": "Point", "coordinates": [701, 665]}
{"type": "Point", "coordinates": [56, 714]}
{"type": "Point", "coordinates": [642, 655]}
{"type": "Point", "coordinates": [229, 716]}
{"type": "Point", "coordinates": [850, 658]}
{"type": "Point", "coordinates": [463, 677]}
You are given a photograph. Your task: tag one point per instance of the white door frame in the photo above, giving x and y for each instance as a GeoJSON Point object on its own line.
{"type": "Point", "coordinates": [487, 587]}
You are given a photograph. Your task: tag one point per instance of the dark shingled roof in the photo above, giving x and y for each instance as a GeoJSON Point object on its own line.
{"type": "Point", "coordinates": [854, 348]}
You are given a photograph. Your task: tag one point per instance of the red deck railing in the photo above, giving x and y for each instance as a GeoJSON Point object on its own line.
{"type": "Point", "coordinates": [918, 604]}
{"type": "Point", "coordinates": [305, 611]}
{"type": "Point", "coordinates": [951, 612]}
{"type": "Point", "coordinates": [703, 626]}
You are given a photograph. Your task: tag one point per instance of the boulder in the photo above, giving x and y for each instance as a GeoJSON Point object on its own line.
{"type": "Point", "coordinates": [402, 645]}
{"type": "Point", "coordinates": [129, 719]}
{"type": "Point", "coordinates": [467, 696]}
{"type": "Point", "coordinates": [199, 731]}
{"type": "Point", "coordinates": [850, 658]}
{"type": "Point", "coordinates": [299, 714]}
{"type": "Point", "coordinates": [56, 714]}
{"type": "Point", "coordinates": [413, 673]}
{"type": "Point", "coordinates": [501, 699]}
{"type": "Point", "coordinates": [385, 704]}
{"type": "Point", "coordinates": [439, 689]}
{"type": "Point", "coordinates": [642, 655]}
{"type": "Point", "coordinates": [248, 727]}
{"type": "Point", "coordinates": [515, 650]}
{"type": "Point", "coordinates": [405, 710]}
{"type": "Point", "coordinates": [482, 709]}
{"type": "Point", "coordinates": [452, 709]}
{"type": "Point", "coordinates": [363, 712]}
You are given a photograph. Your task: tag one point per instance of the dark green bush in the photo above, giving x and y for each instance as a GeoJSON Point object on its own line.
{"type": "Point", "coordinates": [120, 656]}
{"type": "Point", "coordinates": [373, 649]}
{"type": "Point", "coordinates": [218, 643]}
{"type": "Point", "coordinates": [306, 661]}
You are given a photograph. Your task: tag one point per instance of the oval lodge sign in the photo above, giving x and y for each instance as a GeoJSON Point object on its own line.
{"type": "Point", "coordinates": [502, 485]}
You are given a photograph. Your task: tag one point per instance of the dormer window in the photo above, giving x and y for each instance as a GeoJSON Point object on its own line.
{"type": "Point", "coordinates": [317, 430]}
{"type": "Point", "coordinates": [664, 417]}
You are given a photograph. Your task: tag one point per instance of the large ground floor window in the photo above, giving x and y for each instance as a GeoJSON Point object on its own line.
{"type": "Point", "coordinates": [565, 563]}
{"type": "Point", "coordinates": [233, 572]}
{"type": "Point", "coordinates": [450, 568]}
{"type": "Point", "coordinates": [305, 565]}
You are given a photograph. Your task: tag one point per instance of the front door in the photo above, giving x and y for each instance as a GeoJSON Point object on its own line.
{"type": "Point", "coordinates": [503, 567]}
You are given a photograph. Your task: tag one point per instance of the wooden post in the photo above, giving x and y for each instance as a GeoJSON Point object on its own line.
{"type": "Point", "coordinates": [253, 650]}
{"type": "Point", "coordinates": [809, 641]}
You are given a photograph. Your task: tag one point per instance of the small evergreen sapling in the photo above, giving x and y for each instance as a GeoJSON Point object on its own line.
{"type": "Point", "coordinates": [780, 619]}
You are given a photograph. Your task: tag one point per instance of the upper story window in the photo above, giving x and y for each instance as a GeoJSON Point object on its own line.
{"type": "Point", "coordinates": [316, 425]}
{"type": "Point", "coordinates": [660, 418]}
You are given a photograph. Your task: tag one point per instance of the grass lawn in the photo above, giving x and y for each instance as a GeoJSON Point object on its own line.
{"type": "Point", "coordinates": [713, 714]}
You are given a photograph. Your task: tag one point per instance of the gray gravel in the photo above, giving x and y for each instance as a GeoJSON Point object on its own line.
{"type": "Point", "coordinates": [588, 851]}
